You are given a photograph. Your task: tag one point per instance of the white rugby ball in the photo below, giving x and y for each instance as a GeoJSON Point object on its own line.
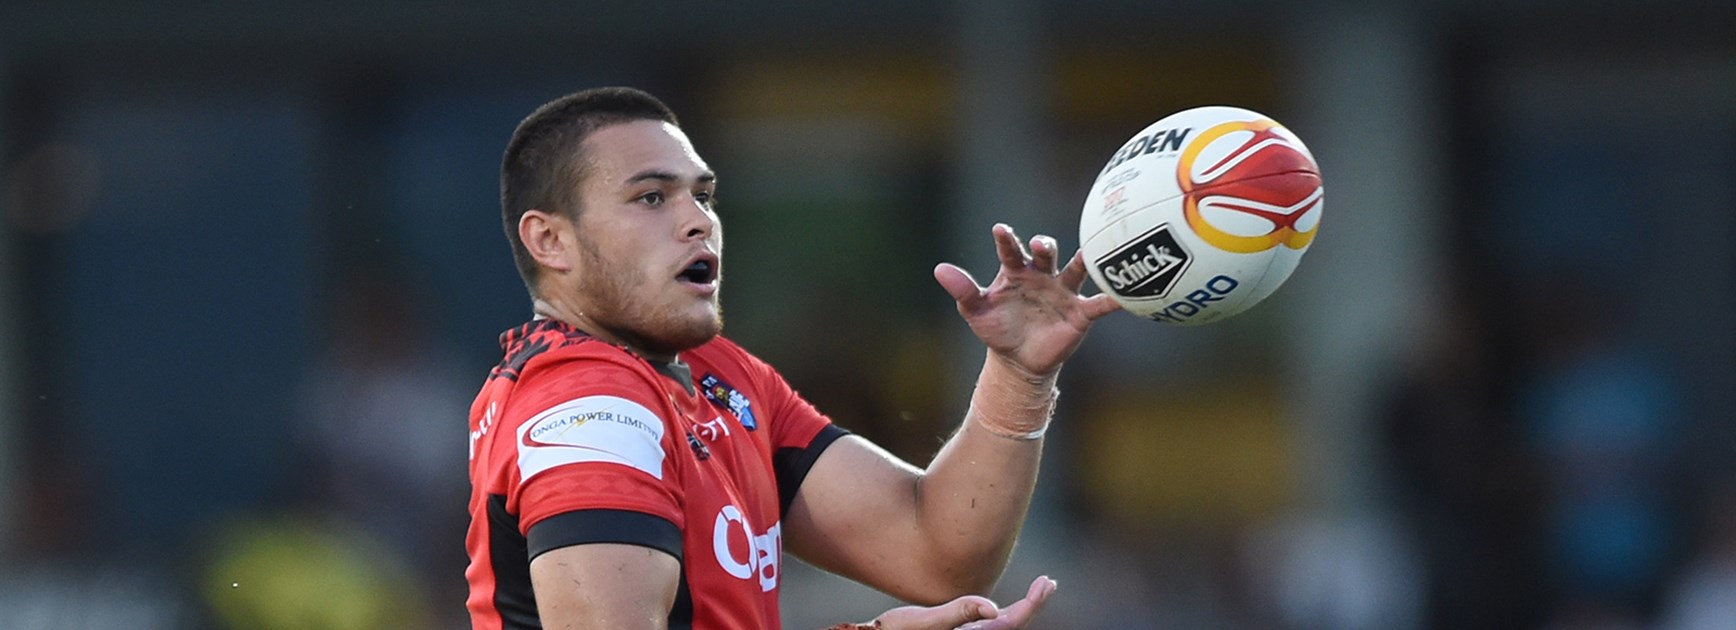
{"type": "Point", "coordinates": [1201, 215]}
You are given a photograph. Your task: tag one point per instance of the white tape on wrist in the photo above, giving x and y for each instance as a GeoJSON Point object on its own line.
{"type": "Point", "coordinates": [1026, 437]}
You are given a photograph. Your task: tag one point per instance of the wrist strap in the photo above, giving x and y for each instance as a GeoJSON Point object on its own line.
{"type": "Point", "coordinates": [1024, 437]}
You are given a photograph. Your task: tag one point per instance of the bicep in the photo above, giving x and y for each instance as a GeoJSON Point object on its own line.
{"type": "Point", "coordinates": [856, 515]}
{"type": "Point", "coordinates": [604, 585]}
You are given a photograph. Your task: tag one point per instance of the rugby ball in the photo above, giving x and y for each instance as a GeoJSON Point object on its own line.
{"type": "Point", "coordinates": [1201, 215]}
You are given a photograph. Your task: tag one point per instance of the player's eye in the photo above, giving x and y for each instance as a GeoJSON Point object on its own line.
{"type": "Point", "coordinates": [706, 198]}
{"type": "Point", "coordinates": [653, 198]}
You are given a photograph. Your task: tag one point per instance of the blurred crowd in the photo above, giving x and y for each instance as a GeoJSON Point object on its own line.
{"type": "Point", "coordinates": [1535, 478]}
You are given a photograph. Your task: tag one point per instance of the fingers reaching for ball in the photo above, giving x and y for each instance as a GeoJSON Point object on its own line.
{"type": "Point", "coordinates": [1073, 277]}
{"type": "Point", "coordinates": [1012, 253]}
{"type": "Point", "coordinates": [1044, 254]}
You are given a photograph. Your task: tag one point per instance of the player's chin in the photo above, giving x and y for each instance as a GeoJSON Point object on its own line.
{"type": "Point", "coordinates": [706, 324]}
{"type": "Point", "coordinates": [689, 330]}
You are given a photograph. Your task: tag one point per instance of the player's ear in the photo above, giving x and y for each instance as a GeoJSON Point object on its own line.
{"type": "Point", "coordinates": [548, 236]}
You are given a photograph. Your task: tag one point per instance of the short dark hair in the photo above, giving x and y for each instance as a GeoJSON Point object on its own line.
{"type": "Point", "coordinates": [543, 165]}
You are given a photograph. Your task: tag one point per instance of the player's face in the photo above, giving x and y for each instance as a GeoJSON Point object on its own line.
{"type": "Point", "coordinates": [649, 242]}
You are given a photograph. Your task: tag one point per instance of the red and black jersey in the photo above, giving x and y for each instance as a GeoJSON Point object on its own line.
{"type": "Point", "coordinates": [575, 441]}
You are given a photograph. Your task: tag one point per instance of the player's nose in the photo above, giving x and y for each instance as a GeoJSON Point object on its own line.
{"type": "Point", "coordinates": [696, 220]}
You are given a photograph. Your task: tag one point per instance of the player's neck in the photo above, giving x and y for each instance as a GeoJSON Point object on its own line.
{"type": "Point", "coordinates": [573, 316]}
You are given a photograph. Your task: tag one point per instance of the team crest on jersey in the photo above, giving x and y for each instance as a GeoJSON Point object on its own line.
{"type": "Point", "coordinates": [726, 397]}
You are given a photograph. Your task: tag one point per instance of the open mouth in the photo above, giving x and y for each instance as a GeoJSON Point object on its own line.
{"type": "Point", "coordinates": [702, 270]}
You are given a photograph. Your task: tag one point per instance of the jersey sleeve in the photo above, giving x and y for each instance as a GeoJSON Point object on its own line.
{"type": "Point", "coordinates": [799, 432]}
{"type": "Point", "coordinates": [592, 458]}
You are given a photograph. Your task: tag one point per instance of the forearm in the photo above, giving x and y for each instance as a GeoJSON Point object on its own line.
{"type": "Point", "coordinates": [972, 500]}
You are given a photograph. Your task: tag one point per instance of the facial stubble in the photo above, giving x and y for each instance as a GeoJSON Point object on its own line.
{"type": "Point", "coordinates": [617, 294]}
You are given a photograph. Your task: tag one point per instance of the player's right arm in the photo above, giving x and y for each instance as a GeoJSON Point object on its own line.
{"type": "Point", "coordinates": [592, 491]}
{"type": "Point", "coordinates": [605, 585]}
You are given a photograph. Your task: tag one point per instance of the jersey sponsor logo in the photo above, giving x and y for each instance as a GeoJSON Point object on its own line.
{"type": "Point", "coordinates": [712, 431]}
{"type": "Point", "coordinates": [755, 556]}
{"type": "Point", "coordinates": [605, 429]}
{"type": "Point", "coordinates": [483, 427]}
{"type": "Point", "coordinates": [726, 397]}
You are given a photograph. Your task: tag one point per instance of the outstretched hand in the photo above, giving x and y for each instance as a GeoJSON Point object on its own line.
{"type": "Point", "coordinates": [970, 612]}
{"type": "Point", "coordinates": [1031, 315]}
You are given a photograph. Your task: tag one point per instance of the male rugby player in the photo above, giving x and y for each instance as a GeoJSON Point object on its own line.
{"type": "Point", "coordinates": [631, 468]}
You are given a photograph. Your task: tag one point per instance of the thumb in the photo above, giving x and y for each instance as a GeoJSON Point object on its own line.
{"type": "Point", "coordinates": [1099, 305]}
{"type": "Point", "coordinates": [967, 609]}
{"type": "Point", "coordinates": [943, 617]}
{"type": "Point", "coordinates": [958, 284]}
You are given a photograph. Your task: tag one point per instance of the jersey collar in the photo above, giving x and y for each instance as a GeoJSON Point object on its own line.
{"type": "Point", "coordinates": [675, 369]}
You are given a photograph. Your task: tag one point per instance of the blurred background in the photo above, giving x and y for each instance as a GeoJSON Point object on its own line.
{"type": "Point", "coordinates": [252, 272]}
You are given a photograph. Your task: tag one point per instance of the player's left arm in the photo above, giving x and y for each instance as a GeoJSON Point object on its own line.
{"type": "Point", "coordinates": [932, 535]}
